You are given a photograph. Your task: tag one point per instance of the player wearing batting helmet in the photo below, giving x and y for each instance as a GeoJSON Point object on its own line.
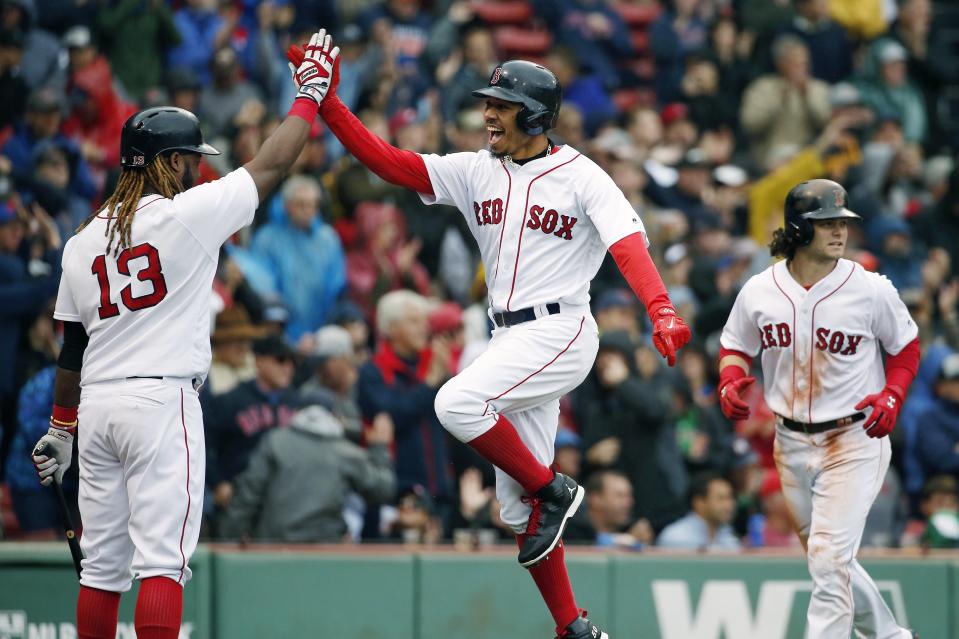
{"type": "Point", "coordinates": [820, 324]}
{"type": "Point", "coordinates": [543, 216]}
{"type": "Point", "coordinates": [134, 300]}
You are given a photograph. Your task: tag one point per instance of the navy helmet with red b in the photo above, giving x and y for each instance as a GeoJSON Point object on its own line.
{"type": "Point", "coordinates": [150, 132]}
{"type": "Point", "coordinates": [810, 201]}
{"type": "Point", "coordinates": [531, 85]}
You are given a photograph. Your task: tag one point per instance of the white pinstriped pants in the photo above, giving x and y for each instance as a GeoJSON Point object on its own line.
{"type": "Point", "coordinates": [521, 375]}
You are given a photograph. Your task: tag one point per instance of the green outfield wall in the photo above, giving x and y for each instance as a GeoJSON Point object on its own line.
{"type": "Point", "coordinates": [392, 593]}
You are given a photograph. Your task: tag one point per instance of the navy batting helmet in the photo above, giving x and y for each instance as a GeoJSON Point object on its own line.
{"type": "Point", "coordinates": [813, 200]}
{"type": "Point", "coordinates": [148, 133]}
{"type": "Point", "coordinates": [531, 85]}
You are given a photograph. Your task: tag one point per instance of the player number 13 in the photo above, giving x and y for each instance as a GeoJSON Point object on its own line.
{"type": "Point", "coordinates": [152, 272]}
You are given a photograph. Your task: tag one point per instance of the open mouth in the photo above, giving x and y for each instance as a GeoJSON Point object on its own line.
{"type": "Point", "coordinates": [495, 134]}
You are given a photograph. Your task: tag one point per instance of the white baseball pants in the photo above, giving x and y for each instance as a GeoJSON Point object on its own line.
{"type": "Point", "coordinates": [521, 375]}
{"type": "Point", "coordinates": [830, 481]}
{"type": "Point", "coordinates": [142, 464]}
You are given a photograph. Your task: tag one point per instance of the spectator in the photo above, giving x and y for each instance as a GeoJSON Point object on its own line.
{"type": "Point", "coordinates": [202, 31]}
{"type": "Point", "coordinates": [568, 456]}
{"type": "Point", "coordinates": [97, 116]}
{"type": "Point", "coordinates": [384, 259]}
{"type": "Point", "coordinates": [312, 457]}
{"type": "Point", "coordinates": [889, 90]}
{"type": "Point", "coordinates": [674, 34]}
{"type": "Point", "coordinates": [22, 296]}
{"type": "Point", "coordinates": [41, 123]}
{"type": "Point", "coordinates": [49, 185]}
{"type": "Point", "coordinates": [334, 377]}
{"type": "Point", "coordinates": [35, 506]}
{"type": "Point", "coordinates": [414, 521]}
{"type": "Point", "coordinates": [478, 61]}
{"type": "Point", "coordinates": [224, 98]}
{"type": "Point", "coordinates": [707, 526]}
{"type": "Point", "coordinates": [596, 33]}
{"type": "Point", "coordinates": [41, 51]}
{"type": "Point", "coordinates": [787, 108]}
{"type": "Point", "coordinates": [135, 38]}
{"type": "Point", "coordinates": [938, 436]}
{"type": "Point", "coordinates": [710, 106]}
{"type": "Point", "coordinates": [236, 421]}
{"type": "Point", "coordinates": [892, 244]}
{"type": "Point", "coordinates": [581, 89]}
{"type": "Point", "coordinates": [13, 88]}
{"type": "Point", "coordinates": [616, 310]}
{"type": "Point", "coordinates": [940, 509]}
{"type": "Point", "coordinates": [304, 255]}
{"type": "Point", "coordinates": [608, 521]}
{"type": "Point", "coordinates": [829, 48]}
{"type": "Point", "coordinates": [938, 226]}
{"type": "Point", "coordinates": [232, 341]}
{"type": "Point", "coordinates": [401, 380]}
{"type": "Point", "coordinates": [625, 423]}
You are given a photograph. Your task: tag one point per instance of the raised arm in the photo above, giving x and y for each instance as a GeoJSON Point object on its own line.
{"type": "Point", "coordinates": [396, 166]}
{"type": "Point", "coordinates": [279, 151]}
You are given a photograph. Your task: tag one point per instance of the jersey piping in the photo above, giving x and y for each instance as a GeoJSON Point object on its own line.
{"type": "Point", "coordinates": [519, 242]}
{"type": "Point", "coordinates": [792, 399]}
{"type": "Point", "coordinates": [509, 190]}
{"type": "Point", "coordinates": [812, 353]}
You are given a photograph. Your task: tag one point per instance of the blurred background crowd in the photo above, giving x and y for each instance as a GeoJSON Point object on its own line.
{"type": "Point", "coordinates": [338, 315]}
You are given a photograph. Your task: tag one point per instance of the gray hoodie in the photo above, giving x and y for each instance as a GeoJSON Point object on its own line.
{"type": "Point", "coordinates": [298, 479]}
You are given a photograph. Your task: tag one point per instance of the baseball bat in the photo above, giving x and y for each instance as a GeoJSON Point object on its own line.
{"type": "Point", "coordinates": [69, 530]}
{"type": "Point", "coordinates": [65, 517]}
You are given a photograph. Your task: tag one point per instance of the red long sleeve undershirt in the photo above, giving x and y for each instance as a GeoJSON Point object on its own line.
{"type": "Point", "coordinates": [637, 267]}
{"type": "Point", "coordinates": [396, 166]}
{"type": "Point", "coordinates": [901, 368]}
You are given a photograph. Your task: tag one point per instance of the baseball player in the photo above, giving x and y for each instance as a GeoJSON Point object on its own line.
{"type": "Point", "coordinates": [134, 299]}
{"type": "Point", "coordinates": [818, 322]}
{"type": "Point", "coordinates": [543, 215]}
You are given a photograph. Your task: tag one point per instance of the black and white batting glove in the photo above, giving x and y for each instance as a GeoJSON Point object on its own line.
{"type": "Point", "coordinates": [53, 453]}
{"type": "Point", "coordinates": [313, 76]}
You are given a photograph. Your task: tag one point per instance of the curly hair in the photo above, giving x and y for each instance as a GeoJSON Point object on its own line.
{"type": "Point", "coordinates": [782, 245]}
{"type": "Point", "coordinates": [122, 204]}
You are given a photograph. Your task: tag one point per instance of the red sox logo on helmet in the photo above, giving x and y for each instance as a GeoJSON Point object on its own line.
{"type": "Point", "coordinates": [496, 75]}
{"type": "Point", "coordinates": [840, 199]}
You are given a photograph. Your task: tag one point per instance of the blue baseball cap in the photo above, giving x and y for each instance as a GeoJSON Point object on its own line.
{"type": "Point", "coordinates": [616, 297]}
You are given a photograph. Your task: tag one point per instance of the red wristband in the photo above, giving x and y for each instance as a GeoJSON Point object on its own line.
{"type": "Point", "coordinates": [64, 417]}
{"type": "Point", "coordinates": [304, 108]}
{"type": "Point", "coordinates": [730, 373]}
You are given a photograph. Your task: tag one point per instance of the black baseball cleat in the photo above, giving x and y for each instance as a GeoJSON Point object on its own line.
{"type": "Point", "coordinates": [582, 628]}
{"type": "Point", "coordinates": [553, 505]}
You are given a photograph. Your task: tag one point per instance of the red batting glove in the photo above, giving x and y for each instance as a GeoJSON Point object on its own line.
{"type": "Point", "coordinates": [885, 409]}
{"type": "Point", "coordinates": [730, 399]}
{"type": "Point", "coordinates": [295, 54]}
{"type": "Point", "coordinates": [670, 333]}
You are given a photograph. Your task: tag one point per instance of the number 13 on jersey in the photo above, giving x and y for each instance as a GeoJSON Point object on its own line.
{"type": "Point", "coordinates": [151, 272]}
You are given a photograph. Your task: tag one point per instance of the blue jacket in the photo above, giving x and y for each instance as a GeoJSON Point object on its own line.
{"type": "Point", "coordinates": [198, 31]}
{"type": "Point", "coordinates": [939, 438]}
{"type": "Point", "coordinates": [308, 268]}
{"type": "Point", "coordinates": [392, 385]}
{"type": "Point", "coordinates": [20, 149]}
{"type": "Point", "coordinates": [20, 297]}
{"type": "Point", "coordinates": [920, 401]}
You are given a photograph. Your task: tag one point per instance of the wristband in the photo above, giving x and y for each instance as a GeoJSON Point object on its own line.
{"type": "Point", "coordinates": [729, 374]}
{"type": "Point", "coordinates": [304, 108]}
{"type": "Point", "coordinates": [65, 415]}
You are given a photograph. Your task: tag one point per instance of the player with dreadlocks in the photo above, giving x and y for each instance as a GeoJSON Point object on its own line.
{"type": "Point", "coordinates": [137, 348]}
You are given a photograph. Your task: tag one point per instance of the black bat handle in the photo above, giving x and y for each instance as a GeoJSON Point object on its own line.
{"type": "Point", "coordinates": [69, 530]}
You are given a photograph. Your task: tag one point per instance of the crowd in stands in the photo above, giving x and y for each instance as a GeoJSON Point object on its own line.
{"type": "Point", "coordinates": [337, 316]}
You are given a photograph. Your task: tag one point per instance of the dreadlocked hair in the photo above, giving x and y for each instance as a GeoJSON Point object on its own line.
{"type": "Point", "coordinates": [122, 204]}
{"type": "Point", "coordinates": [782, 245]}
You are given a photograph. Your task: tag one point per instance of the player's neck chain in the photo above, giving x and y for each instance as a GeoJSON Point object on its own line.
{"type": "Point", "coordinates": [543, 154]}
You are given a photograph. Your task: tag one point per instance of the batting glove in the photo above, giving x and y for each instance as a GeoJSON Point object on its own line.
{"type": "Point", "coordinates": [885, 409]}
{"type": "Point", "coordinates": [730, 399]}
{"type": "Point", "coordinates": [670, 333]}
{"type": "Point", "coordinates": [53, 453]}
{"type": "Point", "coordinates": [314, 74]}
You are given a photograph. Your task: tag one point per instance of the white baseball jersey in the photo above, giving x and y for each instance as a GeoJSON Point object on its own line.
{"type": "Point", "coordinates": [146, 310]}
{"type": "Point", "coordinates": [542, 227]}
{"type": "Point", "coordinates": [820, 348]}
